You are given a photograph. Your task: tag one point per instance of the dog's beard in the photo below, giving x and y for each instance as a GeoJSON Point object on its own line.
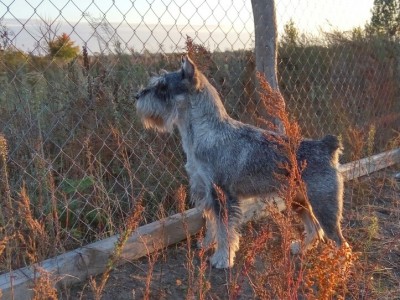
{"type": "Point", "coordinates": [158, 123]}
{"type": "Point", "coordinates": [154, 122]}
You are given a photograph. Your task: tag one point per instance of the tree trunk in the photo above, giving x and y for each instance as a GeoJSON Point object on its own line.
{"type": "Point", "coordinates": [266, 45]}
{"type": "Point", "coordinates": [265, 39]}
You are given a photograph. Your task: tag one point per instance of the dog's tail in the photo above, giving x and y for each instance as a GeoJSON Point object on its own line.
{"type": "Point", "coordinates": [334, 146]}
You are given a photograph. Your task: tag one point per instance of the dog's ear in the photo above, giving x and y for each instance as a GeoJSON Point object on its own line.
{"type": "Point", "coordinates": [190, 72]}
{"type": "Point", "coordinates": [188, 67]}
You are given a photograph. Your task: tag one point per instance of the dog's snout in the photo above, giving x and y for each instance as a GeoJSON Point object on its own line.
{"type": "Point", "coordinates": [137, 95]}
{"type": "Point", "coordinates": [140, 93]}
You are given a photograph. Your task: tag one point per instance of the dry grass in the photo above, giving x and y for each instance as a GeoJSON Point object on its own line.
{"type": "Point", "coordinates": [373, 216]}
{"type": "Point", "coordinates": [132, 224]}
{"type": "Point", "coordinates": [44, 286]}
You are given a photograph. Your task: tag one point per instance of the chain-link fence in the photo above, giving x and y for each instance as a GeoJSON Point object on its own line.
{"type": "Point", "coordinates": [74, 156]}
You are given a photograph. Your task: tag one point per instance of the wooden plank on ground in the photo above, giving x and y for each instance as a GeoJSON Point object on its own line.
{"type": "Point", "coordinates": [370, 164]}
{"type": "Point", "coordinates": [90, 260]}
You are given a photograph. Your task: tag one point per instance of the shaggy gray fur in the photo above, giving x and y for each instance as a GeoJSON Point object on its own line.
{"type": "Point", "coordinates": [237, 158]}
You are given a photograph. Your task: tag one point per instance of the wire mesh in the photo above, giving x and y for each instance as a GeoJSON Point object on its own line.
{"type": "Point", "coordinates": [73, 146]}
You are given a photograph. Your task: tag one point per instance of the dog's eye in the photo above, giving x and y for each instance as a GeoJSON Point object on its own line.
{"type": "Point", "coordinates": [163, 87]}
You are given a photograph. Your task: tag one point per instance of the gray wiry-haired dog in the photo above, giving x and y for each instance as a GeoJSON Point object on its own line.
{"type": "Point", "coordinates": [238, 159]}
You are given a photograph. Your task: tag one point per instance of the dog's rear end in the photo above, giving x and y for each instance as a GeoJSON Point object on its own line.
{"type": "Point", "coordinates": [324, 185]}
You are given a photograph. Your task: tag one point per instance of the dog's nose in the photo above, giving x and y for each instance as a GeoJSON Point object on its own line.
{"type": "Point", "coordinates": [140, 93]}
{"type": "Point", "coordinates": [137, 95]}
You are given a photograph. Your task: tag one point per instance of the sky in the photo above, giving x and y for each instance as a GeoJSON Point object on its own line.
{"type": "Point", "coordinates": [140, 24]}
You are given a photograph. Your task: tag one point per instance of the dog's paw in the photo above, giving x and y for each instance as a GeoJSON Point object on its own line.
{"type": "Point", "coordinates": [222, 260]}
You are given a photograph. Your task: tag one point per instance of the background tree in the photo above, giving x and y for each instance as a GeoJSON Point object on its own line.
{"type": "Point", "coordinates": [63, 47]}
{"type": "Point", "coordinates": [265, 32]}
{"type": "Point", "coordinates": [385, 18]}
{"type": "Point", "coordinates": [290, 35]}
{"type": "Point", "coordinates": [48, 30]}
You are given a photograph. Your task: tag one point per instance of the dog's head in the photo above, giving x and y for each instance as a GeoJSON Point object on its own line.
{"type": "Point", "coordinates": [165, 99]}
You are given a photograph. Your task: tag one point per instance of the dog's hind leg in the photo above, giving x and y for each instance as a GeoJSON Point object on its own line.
{"type": "Point", "coordinates": [326, 198]}
{"type": "Point", "coordinates": [312, 229]}
{"type": "Point", "coordinates": [332, 228]}
{"type": "Point", "coordinates": [227, 216]}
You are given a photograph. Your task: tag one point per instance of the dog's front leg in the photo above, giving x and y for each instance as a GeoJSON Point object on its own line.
{"type": "Point", "coordinates": [227, 244]}
{"type": "Point", "coordinates": [203, 201]}
{"type": "Point", "coordinates": [209, 240]}
{"type": "Point", "coordinates": [227, 214]}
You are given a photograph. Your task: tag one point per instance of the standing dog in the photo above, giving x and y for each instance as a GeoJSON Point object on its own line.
{"type": "Point", "coordinates": [231, 160]}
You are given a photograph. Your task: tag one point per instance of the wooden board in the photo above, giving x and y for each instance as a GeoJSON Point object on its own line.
{"type": "Point", "coordinates": [370, 164]}
{"type": "Point", "coordinates": [79, 264]}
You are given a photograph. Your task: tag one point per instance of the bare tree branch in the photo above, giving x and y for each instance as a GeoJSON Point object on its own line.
{"type": "Point", "coordinates": [48, 31]}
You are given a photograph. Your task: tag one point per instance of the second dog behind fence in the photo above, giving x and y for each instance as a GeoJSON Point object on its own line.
{"type": "Point", "coordinates": [231, 160]}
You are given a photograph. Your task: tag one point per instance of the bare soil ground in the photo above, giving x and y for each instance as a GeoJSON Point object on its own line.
{"type": "Point", "coordinates": [371, 225]}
